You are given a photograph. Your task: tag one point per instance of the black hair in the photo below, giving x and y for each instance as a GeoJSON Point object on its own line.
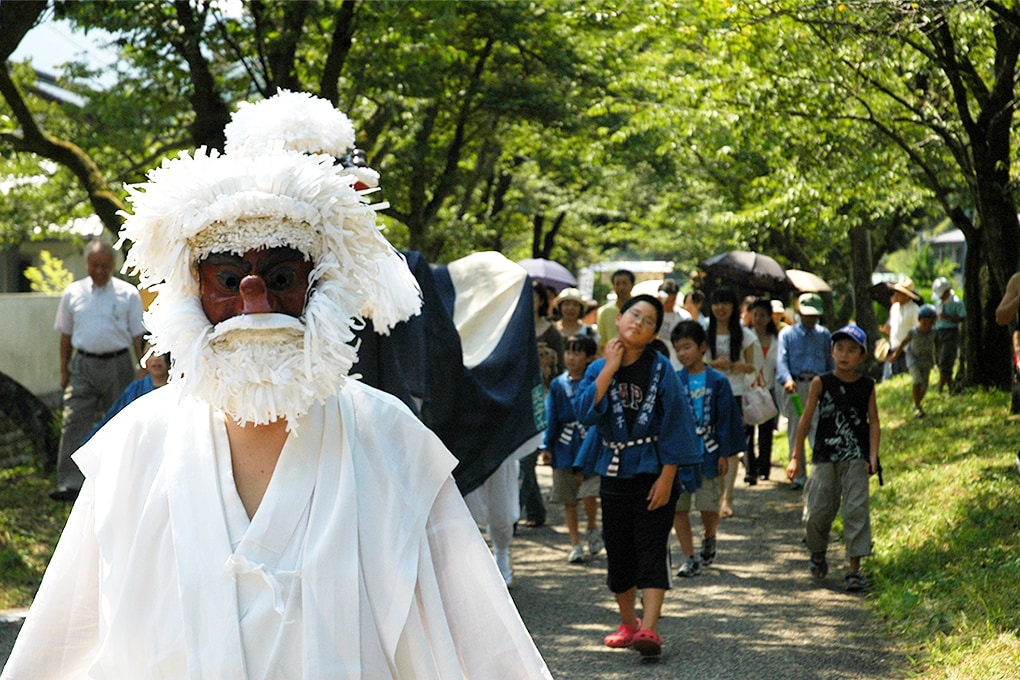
{"type": "Point", "coordinates": [669, 287]}
{"type": "Point", "coordinates": [689, 330]}
{"type": "Point", "coordinates": [623, 272]}
{"type": "Point", "coordinates": [734, 327]}
{"type": "Point", "coordinates": [697, 297]}
{"type": "Point", "coordinates": [762, 303]}
{"type": "Point", "coordinates": [581, 343]}
{"type": "Point", "coordinates": [650, 299]}
{"type": "Point", "coordinates": [539, 287]}
{"type": "Point", "coordinates": [658, 346]}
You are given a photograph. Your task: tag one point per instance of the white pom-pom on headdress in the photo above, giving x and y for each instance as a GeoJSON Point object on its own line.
{"type": "Point", "coordinates": [303, 122]}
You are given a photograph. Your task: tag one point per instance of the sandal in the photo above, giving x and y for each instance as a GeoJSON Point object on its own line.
{"type": "Point", "coordinates": [819, 567]}
{"type": "Point", "coordinates": [855, 582]}
{"type": "Point", "coordinates": [623, 637]}
{"type": "Point", "coordinates": [535, 523]}
{"type": "Point", "coordinates": [647, 642]}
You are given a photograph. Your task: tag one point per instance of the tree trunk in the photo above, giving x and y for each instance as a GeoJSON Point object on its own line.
{"type": "Point", "coordinates": [860, 277]}
{"type": "Point", "coordinates": [986, 348]}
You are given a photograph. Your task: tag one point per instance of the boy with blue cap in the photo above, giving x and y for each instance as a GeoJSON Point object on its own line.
{"type": "Point", "coordinates": [846, 453]}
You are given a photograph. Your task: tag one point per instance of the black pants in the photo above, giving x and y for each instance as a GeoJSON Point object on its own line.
{"type": "Point", "coordinates": [530, 493]}
{"type": "Point", "coordinates": [762, 463]}
{"type": "Point", "coordinates": [637, 541]}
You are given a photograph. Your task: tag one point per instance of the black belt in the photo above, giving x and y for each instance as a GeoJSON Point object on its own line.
{"type": "Point", "coordinates": [805, 377]}
{"type": "Point", "coordinates": [108, 355]}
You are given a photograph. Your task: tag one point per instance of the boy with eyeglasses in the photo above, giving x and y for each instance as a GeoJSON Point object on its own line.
{"type": "Point", "coordinates": [643, 444]}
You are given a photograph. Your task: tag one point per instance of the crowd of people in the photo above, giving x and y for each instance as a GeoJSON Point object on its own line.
{"type": "Point", "coordinates": [822, 398]}
{"type": "Point", "coordinates": [240, 454]}
{"type": "Point", "coordinates": [650, 420]}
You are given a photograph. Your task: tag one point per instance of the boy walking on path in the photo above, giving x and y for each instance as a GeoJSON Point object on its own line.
{"type": "Point", "coordinates": [646, 451]}
{"type": "Point", "coordinates": [919, 346]}
{"type": "Point", "coordinates": [717, 420]}
{"type": "Point", "coordinates": [846, 453]}
{"type": "Point", "coordinates": [563, 439]}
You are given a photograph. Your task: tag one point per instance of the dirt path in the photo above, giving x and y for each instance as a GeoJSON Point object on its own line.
{"type": "Point", "coordinates": [755, 613]}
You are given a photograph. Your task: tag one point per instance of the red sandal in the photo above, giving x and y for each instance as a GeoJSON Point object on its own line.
{"type": "Point", "coordinates": [623, 636]}
{"type": "Point", "coordinates": [647, 642]}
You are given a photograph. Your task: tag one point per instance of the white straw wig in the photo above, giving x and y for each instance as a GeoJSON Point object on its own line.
{"type": "Point", "coordinates": [196, 205]}
{"type": "Point", "coordinates": [193, 206]}
{"type": "Point", "coordinates": [303, 122]}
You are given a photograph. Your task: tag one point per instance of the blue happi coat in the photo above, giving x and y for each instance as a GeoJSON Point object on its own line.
{"type": "Point", "coordinates": [663, 433]}
{"type": "Point", "coordinates": [721, 428]}
{"type": "Point", "coordinates": [564, 435]}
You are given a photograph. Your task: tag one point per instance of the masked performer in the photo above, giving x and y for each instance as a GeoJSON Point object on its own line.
{"type": "Point", "coordinates": [263, 516]}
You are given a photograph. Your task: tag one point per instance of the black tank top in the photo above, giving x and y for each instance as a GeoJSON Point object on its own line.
{"type": "Point", "coordinates": [843, 428]}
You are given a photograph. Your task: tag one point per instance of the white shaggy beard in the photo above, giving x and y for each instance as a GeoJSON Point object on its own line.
{"type": "Point", "coordinates": [261, 367]}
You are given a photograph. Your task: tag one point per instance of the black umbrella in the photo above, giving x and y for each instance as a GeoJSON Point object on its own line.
{"type": "Point", "coordinates": [881, 293]}
{"type": "Point", "coordinates": [749, 269]}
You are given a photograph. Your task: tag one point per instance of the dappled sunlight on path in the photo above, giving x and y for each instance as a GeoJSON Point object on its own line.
{"type": "Point", "coordinates": [754, 613]}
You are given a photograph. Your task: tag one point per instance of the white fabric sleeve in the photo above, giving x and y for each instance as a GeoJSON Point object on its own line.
{"type": "Point", "coordinates": [488, 635]}
{"type": "Point", "coordinates": [64, 321]}
{"type": "Point", "coordinates": [60, 637]}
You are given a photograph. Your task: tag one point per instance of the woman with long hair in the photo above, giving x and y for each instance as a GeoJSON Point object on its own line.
{"type": "Point", "coordinates": [730, 350]}
{"type": "Point", "coordinates": [765, 328]}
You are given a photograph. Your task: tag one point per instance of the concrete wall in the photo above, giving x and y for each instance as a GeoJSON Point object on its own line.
{"type": "Point", "coordinates": [29, 347]}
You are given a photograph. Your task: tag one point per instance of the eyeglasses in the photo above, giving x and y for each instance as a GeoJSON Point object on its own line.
{"type": "Point", "coordinates": [636, 315]}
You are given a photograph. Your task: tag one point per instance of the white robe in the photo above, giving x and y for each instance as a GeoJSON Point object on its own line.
{"type": "Point", "coordinates": [361, 561]}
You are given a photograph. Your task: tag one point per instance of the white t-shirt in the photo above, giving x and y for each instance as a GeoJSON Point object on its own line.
{"type": "Point", "coordinates": [737, 380]}
{"type": "Point", "coordinates": [901, 319]}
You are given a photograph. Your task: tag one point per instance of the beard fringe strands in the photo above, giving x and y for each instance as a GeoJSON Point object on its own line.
{"type": "Point", "coordinates": [395, 297]}
{"type": "Point", "coordinates": [262, 367]}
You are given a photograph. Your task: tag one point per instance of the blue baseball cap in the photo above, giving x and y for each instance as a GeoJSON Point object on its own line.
{"type": "Point", "coordinates": [927, 312]}
{"type": "Point", "coordinates": [854, 333]}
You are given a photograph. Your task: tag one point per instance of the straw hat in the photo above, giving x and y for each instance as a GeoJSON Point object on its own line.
{"type": "Point", "coordinates": [906, 286]}
{"type": "Point", "coordinates": [882, 349]}
{"type": "Point", "coordinates": [569, 294]}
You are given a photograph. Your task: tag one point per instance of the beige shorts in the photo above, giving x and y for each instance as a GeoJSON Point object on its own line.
{"type": "Point", "coordinates": [566, 490]}
{"type": "Point", "coordinates": [705, 499]}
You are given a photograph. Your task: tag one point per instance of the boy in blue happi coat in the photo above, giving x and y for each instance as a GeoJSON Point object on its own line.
{"type": "Point", "coordinates": [645, 449]}
{"type": "Point", "coordinates": [717, 418]}
{"type": "Point", "coordinates": [563, 438]}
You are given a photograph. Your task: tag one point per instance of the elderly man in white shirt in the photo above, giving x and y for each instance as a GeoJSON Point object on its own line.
{"type": "Point", "coordinates": [99, 320]}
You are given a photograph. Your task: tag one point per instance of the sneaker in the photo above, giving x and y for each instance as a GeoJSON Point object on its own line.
{"type": "Point", "coordinates": [689, 568]}
{"type": "Point", "coordinates": [595, 543]}
{"type": "Point", "coordinates": [1018, 461]}
{"type": "Point", "coordinates": [576, 555]}
{"type": "Point", "coordinates": [818, 565]}
{"type": "Point", "coordinates": [797, 484]}
{"type": "Point", "coordinates": [708, 551]}
{"type": "Point", "coordinates": [918, 412]}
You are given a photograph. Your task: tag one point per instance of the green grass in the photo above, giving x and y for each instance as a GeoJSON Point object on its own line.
{"type": "Point", "coordinates": [30, 524]}
{"type": "Point", "coordinates": [946, 525]}
{"type": "Point", "coordinates": [946, 529]}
